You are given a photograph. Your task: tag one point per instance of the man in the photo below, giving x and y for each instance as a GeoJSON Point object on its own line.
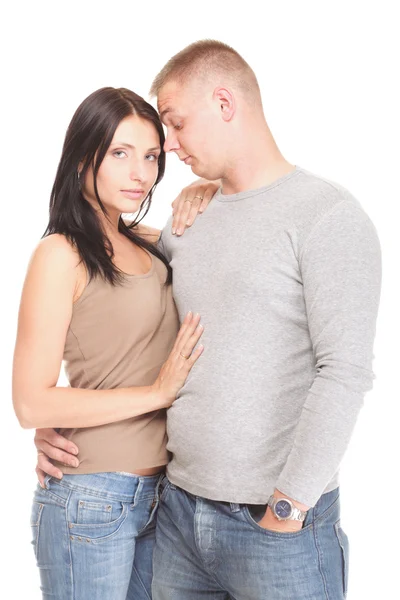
{"type": "Point", "coordinates": [284, 268]}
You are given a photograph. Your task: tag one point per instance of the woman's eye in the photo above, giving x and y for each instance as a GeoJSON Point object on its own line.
{"type": "Point", "coordinates": [152, 157]}
{"type": "Point", "coordinates": [118, 153]}
{"type": "Point", "coordinates": [178, 126]}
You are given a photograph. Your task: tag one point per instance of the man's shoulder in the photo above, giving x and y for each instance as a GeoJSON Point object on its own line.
{"type": "Point", "coordinates": [164, 239]}
{"type": "Point", "coordinates": [166, 232]}
{"type": "Point", "coordinates": [314, 197]}
{"type": "Point", "coordinates": [321, 192]}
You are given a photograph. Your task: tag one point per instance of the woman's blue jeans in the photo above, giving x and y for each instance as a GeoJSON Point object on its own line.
{"type": "Point", "coordinates": [93, 536]}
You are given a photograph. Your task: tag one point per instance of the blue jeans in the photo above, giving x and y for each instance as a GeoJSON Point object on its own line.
{"type": "Point", "coordinates": [207, 549]}
{"type": "Point", "coordinates": [93, 536]}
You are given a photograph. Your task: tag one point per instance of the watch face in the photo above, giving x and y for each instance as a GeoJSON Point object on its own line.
{"type": "Point", "coordinates": [283, 509]}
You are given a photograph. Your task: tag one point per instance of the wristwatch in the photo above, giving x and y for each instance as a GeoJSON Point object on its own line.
{"type": "Point", "coordinates": [284, 509]}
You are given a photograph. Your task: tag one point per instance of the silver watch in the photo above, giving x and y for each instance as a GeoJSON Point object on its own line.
{"type": "Point", "coordinates": [284, 509]}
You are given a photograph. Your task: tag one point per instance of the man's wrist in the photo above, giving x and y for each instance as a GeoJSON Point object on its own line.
{"type": "Point", "coordinates": [278, 494]}
{"type": "Point", "coordinates": [285, 511]}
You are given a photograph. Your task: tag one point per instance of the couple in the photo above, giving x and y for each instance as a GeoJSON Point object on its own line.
{"type": "Point", "coordinates": [284, 269]}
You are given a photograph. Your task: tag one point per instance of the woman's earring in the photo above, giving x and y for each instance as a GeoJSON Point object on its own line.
{"type": "Point", "coordinates": [79, 179]}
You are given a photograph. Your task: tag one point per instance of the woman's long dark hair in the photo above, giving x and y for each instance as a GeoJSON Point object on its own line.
{"type": "Point", "coordinates": [87, 140]}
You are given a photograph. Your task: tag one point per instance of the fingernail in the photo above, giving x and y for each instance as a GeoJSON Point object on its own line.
{"type": "Point", "coordinates": [74, 451]}
{"type": "Point", "coordinates": [179, 232]}
{"type": "Point", "coordinates": [75, 463]}
{"type": "Point", "coordinates": [188, 223]}
{"type": "Point", "coordinates": [42, 486]}
{"type": "Point", "coordinates": [59, 475]}
{"type": "Point", "coordinates": [173, 231]}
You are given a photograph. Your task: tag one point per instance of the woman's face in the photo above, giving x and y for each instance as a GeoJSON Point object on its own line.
{"type": "Point", "coordinates": [129, 168]}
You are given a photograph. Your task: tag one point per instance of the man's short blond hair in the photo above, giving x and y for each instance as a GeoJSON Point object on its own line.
{"type": "Point", "coordinates": [202, 60]}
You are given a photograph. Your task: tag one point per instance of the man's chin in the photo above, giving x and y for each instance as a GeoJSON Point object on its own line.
{"type": "Point", "coordinates": [197, 170]}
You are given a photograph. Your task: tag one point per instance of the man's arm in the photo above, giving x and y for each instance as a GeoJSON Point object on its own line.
{"type": "Point", "coordinates": [341, 272]}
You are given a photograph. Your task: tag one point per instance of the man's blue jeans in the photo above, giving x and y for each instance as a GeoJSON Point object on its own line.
{"type": "Point", "coordinates": [207, 549]}
{"type": "Point", "coordinates": [93, 536]}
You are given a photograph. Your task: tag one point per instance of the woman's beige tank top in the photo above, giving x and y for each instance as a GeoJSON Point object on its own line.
{"type": "Point", "coordinates": [119, 336]}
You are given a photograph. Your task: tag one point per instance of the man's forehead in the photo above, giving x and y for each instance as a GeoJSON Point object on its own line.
{"type": "Point", "coordinates": [170, 98]}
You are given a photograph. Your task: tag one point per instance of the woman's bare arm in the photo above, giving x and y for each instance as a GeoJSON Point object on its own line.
{"type": "Point", "coordinates": [45, 314]}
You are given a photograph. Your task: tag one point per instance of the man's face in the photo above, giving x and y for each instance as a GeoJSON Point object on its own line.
{"type": "Point", "coordinates": [193, 128]}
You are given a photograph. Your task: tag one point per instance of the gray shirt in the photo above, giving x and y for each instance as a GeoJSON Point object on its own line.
{"type": "Point", "coordinates": [287, 281]}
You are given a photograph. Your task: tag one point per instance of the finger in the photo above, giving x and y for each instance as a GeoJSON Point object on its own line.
{"type": "Point", "coordinates": [192, 341]}
{"type": "Point", "coordinates": [182, 215]}
{"type": "Point", "coordinates": [188, 220]}
{"type": "Point", "coordinates": [50, 436]}
{"type": "Point", "coordinates": [194, 211]}
{"type": "Point", "coordinates": [47, 467]}
{"type": "Point", "coordinates": [188, 333]}
{"type": "Point", "coordinates": [43, 433]}
{"type": "Point", "coordinates": [207, 197]}
{"type": "Point", "coordinates": [192, 202]}
{"type": "Point", "coordinates": [182, 329]}
{"type": "Point", "coordinates": [194, 356]}
{"type": "Point", "coordinates": [40, 475]}
{"type": "Point", "coordinates": [180, 198]}
{"type": "Point", "coordinates": [179, 206]}
{"type": "Point", "coordinates": [194, 197]}
{"type": "Point", "coordinates": [57, 454]}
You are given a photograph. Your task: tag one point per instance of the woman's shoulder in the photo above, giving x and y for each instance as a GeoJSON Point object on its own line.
{"type": "Point", "coordinates": [56, 248]}
{"type": "Point", "coordinates": [56, 243]}
{"type": "Point", "coordinates": [151, 234]}
{"type": "Point", "coordinates": [54, 257]}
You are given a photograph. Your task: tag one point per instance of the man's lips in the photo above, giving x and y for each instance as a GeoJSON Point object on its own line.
{"type": "Point", "coordinates": [186, 160]}
{"type": "Point", "coordinates": [132, 194]}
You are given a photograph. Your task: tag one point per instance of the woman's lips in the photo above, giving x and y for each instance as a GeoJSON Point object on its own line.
{"type": "Point", "coordinates": [132, 194]}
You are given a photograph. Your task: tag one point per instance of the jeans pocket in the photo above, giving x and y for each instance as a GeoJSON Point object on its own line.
{"type": "Point", "coordinates": [97, 513]}
{"type": "Point", "coordinates": [36, 514]}
{"type": "Point", "coordinates": [254, 513]}
{"type": "Point", "coordinates": [344, 548]}
{"type": "Point", "coordinates": [93, 523]}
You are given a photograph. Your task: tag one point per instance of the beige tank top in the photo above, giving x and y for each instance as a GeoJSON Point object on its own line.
{"type": "Point", "coordinates": [119, 336]}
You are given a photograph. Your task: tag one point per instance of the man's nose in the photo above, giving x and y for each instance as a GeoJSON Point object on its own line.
{"type": "Point", "coordinates": [171, 143]}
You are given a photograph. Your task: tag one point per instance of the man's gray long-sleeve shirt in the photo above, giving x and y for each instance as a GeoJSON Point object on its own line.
{"type": "Point", "coordinates": [286, 279]}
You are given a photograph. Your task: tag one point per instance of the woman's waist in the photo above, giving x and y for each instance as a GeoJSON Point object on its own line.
{"type": "Point", "coordinates": [117, 486]}
{"type": "Point", "coordinates": [132, 446]}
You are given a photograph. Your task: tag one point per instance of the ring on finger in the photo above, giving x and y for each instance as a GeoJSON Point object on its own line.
{"type": "Point", "coordinates": [183, 356]}
{"type": "Point", "coordinates": [200, 197]}
{"type": "Point", "coordinates": [40, 454]}
{"type": "Point", "coordinates": [189, 200]}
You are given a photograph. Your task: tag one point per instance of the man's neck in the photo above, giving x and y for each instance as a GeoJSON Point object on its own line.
{"type": "Point", "coordinates": [255, 163]}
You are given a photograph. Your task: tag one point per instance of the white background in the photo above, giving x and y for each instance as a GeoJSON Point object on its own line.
{"type": "Point", "coordinates": [328, 74]}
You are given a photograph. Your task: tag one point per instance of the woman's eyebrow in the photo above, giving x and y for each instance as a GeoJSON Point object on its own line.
{"type": "Point", "coordinates": [133, 147]}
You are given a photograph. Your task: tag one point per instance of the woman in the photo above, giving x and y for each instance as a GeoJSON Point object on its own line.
{"type": "Point", "coordinates": [97, 294]}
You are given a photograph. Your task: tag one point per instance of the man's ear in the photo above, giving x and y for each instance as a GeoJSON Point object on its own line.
{"type": "Point", "coordinates": [226, 102]}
